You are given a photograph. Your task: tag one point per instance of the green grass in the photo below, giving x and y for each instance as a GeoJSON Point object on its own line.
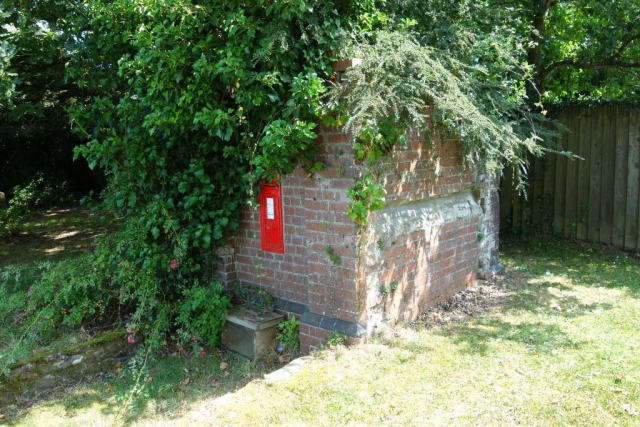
{"type": "Point", "coordinates": [176, 385]}
{"type": "Point", "coordinates": [50, 235]}
{"type": "Point", "coordinates": [561, 349]}
{"type": "Point", "coordinates": [53, 235]}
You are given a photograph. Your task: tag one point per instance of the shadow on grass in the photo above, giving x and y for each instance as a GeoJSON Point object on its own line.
{"type": "Point", "coordinates": [175, 384]}
{"type": "Point", "coordinates": [533, 293]}
{"type": "Point", "coordinates": [53, 235]}
{"type": "Point", "coordinates": [536, 337]}
{"type": "Point", "coordinates": [595, 266]}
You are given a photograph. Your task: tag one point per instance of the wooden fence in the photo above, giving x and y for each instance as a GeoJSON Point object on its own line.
{"type": "Point", "coordinates": [595, 199]}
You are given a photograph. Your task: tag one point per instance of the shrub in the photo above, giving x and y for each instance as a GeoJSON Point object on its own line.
{"type": "Point", "coordinates": [117, 284]}
{"type": "Point", "coordinates": [336, 339]}
{"type": "Point", "coordinates": [202, 313]}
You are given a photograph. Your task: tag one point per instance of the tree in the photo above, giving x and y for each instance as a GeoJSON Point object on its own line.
{"type": "Point", "coordinates": [585, 49]}
{"type": "Point", "coordinates": [37, 41]}
{"type": "Point", "coordinates": [572, 49]}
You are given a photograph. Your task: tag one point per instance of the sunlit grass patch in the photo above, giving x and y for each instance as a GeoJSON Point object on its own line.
{"type": "Point", "coordinates": [561, 348]}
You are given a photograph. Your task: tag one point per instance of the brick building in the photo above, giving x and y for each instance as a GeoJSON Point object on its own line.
{"type": "Point", "coordinates": [437, 232]}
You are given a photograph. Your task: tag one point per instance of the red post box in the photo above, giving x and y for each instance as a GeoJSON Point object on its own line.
{"type": "Point", "coordinates": [271, 218]}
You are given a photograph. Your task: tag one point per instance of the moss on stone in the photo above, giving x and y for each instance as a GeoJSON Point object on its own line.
{"type": "Point", "coordinates": [53, 365]}
{"type": "Point", "coordinates": [12, 384]}
{"type": "Point", "coordinates": [72, 349]}
{"type": "Point", "coordinates": [100, 339]}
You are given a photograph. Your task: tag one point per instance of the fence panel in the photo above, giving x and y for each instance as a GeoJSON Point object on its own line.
{"type": "Point", "coordinates": [596, 199]}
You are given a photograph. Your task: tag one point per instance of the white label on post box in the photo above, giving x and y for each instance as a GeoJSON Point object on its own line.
{"type": "Point", "coordinates": [270, 212]}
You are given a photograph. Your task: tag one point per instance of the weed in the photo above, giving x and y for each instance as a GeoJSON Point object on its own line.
{"type": "Point", "coordinates": [333, 256]}
{"type": "Point", "coordinates": [289, 335]}
{"type": "Point", "coordinates": [336, 338]}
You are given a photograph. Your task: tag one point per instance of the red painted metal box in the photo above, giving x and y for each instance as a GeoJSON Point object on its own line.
{"type": "Point", "coordinates": [271, 218]}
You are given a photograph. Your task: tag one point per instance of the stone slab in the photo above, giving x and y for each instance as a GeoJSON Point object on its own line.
{"type": "Point", "coordinates": [245, 315]}
{"type": "Point", "coordinates": [289, 370]}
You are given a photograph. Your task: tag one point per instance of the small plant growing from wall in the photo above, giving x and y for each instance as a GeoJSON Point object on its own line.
{"type": "Point", "coordinates": [386, 290]}
{"type": "Point", "coordinates": [289, 336]}
{"type": "Point", "coordinates": [367, 195]}
{"type": "Point", "coordinates": [258, 298]}
{"type": "Point", "coordinates": [333, 256]}
{"type": "Point", "coordinates": [336, 338]}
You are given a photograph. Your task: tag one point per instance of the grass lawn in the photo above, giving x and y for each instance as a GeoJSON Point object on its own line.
{"type": "Point", "coordinates": [69, 231]}
{"type": "Point", "coordinates": [559, 345]}
{"type": "Point", "coordinates": [52, 235]}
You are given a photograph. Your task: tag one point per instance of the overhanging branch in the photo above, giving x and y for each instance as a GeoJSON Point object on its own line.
{"type": "Point", "coordinates": [586, 65]}
{"type": "Point", "coordinates": [616, 60]}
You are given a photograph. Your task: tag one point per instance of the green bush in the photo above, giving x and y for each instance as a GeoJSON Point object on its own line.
{"type": "Point", "coordinates": [203, 313]}
{"type": "Point", "coordinates": [116, 285]}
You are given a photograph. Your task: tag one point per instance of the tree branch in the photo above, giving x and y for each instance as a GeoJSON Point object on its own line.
{"type": "Point", "coordinates": [614, 60]}
{"type": "Point", "coordinates": [625, 45]}
{"type": "Point", "coordinates": [585, 65]}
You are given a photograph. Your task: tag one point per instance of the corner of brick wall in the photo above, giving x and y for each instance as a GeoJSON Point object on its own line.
{"type": "Point", "coordinates": [489, 244]}
{"type": "Point", "coordinates": [425, 242]}
{"type": "Point", "coordinates": [226, 267]}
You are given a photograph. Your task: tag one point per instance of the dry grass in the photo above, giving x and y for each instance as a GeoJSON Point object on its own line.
{"type": "Point", "coordinates": [554, 343]}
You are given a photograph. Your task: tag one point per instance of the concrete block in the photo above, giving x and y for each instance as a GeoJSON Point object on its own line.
{"type": "Point", "coordinates": [250, 332]}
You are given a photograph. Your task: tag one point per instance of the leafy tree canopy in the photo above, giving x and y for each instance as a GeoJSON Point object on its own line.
{"type": "Point", "coordinates": [590, 50]}
{"type": "Point", "coordinates": [34, 92]}
{"type": "Point", "coordinates": [576, 49]}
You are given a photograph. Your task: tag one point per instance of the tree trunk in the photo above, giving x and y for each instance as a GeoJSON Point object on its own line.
{"type": "Point", "coordinates": [535, 88]}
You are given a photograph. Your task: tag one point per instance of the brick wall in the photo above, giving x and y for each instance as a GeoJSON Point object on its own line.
{"type": "Point", "coordinates": [423, 246]}
{"type": "Point", "coordinates": [427, 250]}
{"type": "Point", "coordinates": [314, 219]}
{"type": "Point", "coordinates": [425, 168]}
{"type": "Point", "coordinates": [425, 240]}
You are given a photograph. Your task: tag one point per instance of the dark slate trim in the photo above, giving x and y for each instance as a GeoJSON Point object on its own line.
{"type": "Point", "coordinates": [353, 330]}
{"type": "Point", "coordinates": [290, 306]}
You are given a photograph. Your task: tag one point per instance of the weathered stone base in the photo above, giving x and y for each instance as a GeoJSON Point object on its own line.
{"type": "Point", "coordinates": [48, 370]}
{"type": "Point", "coordinates": [249, 332]}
